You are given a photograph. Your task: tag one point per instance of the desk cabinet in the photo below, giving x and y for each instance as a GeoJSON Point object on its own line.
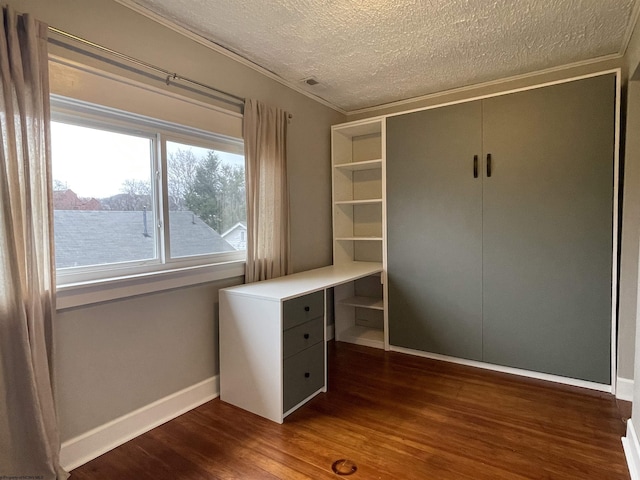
{"type": "Point", "coordinates": [272, 339]}
{"type": "Point", "coordinates": [303, 348]}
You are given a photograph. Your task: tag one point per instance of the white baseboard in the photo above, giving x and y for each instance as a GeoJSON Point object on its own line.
{"type": "Point", "coordinates": [632, 451]}
{"type": "Point", "coordinates": [92, 444]}
{"type": "Point", "coordinates": [624, 389]}
{"type": "Point", "coordinates": [499, 368]}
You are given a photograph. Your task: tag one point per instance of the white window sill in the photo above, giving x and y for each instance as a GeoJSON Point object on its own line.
{"type": "Point", "coordinates": [86, 293]}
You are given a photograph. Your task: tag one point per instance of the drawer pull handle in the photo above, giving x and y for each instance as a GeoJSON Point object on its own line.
{"type": "Point", "coordinates": [307, 374]}
{"type": "Point", "coordinates": [306, 336]}
{"type": "Point", "coordinates": [306, 309]}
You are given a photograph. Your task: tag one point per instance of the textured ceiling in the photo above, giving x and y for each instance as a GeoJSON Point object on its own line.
{"type": "Point", "coordinates": [371, 52]}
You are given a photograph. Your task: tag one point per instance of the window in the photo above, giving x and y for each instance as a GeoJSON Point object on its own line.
{"type": "Point", "coordinates": [205, 188]}
{"type": "Point", "coordinates": [135, 195]}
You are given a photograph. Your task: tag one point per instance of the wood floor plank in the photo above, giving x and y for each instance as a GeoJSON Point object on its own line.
{"type": "Point", "coordinates": [397, 417]}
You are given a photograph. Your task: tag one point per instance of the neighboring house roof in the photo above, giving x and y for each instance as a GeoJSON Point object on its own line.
{"type": "Point", "coordinates": [239, 225]}
{"type": "Point", "coordinates": [98, 237]}
{"type": "Point", "coordinates": [68, 200]}
{"type": "Point", "coordinates": [236, 236]}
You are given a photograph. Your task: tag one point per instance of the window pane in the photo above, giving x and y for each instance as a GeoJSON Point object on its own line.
{"type": "Point", "coordinates": [102, 196]}
{"type": "Point", "coordinates": [207, 211]}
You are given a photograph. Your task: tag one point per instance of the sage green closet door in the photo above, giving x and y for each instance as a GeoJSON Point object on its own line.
{"type": "Point", "coordinates": [547, 237]}
{"type": "Point", "coordinates": [434, 229]}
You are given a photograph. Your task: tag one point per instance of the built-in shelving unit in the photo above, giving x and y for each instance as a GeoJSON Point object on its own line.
{"type": "Point", "coordinates": [358, 229]}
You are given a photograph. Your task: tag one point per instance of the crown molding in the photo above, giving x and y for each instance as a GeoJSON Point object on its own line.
{"type": "Point", "coordinates": [130, 4]}
{"type": "Point", "coordinates": [468, 88]}
{"type": "Point", "coordinates": [476, 86]}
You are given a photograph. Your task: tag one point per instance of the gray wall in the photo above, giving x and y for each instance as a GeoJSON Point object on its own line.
{"type": "Point", "coordinates": [632, 203]}
{"type": "Point", "coordinates": [630, 236]}
{"type": "Point", "coordinates": [628, 305]}
{"type": "Point", "coordinates": [119, 356]}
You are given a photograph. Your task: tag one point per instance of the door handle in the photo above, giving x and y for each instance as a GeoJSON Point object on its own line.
{"type": "Point", "coordinates": [475, 166]}
{"type": "Point", "coordinates": [488, 164]}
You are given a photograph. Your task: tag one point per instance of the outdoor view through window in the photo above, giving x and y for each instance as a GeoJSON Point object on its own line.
{"type": "Point", "coordinates": [106, 198]}
{"type": "Point", "coordinates": [207, 204]}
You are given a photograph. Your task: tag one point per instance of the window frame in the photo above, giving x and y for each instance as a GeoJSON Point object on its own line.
{"type": "Point", "coordinates": [85, 114]}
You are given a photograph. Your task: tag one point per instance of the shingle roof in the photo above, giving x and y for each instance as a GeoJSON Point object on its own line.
{"type": "Point", "coordinates": [97, 237]}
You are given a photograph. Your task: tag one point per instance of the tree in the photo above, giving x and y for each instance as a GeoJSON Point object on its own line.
{"type": "Point", "coordinates": [60, 186]}
{"type": "Point", "coordinates": [181, 171]}
{"type": "Point", "coordinates": [233, 197]}
{"type": "Point", "coordinates": [214, 191]}
{"type": "Point", "coordinates": [217, 194]}
{"type": "Point", "coordinates": [136, 188]}
{"type": "Point", "coordinates": [203, 195]}
{"type": "Point", "coordinates": [136, 195]}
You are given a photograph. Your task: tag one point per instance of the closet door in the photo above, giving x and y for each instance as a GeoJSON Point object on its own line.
{"type": "Point", "coordinates": [434, 230]}
{"type": "Point", "coordinates": [547, 238]}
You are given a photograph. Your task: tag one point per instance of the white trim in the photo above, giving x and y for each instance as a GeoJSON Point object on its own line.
{"type": "Point", "coordinates": [331, 331]}
{"type": "Point", "coordinates": [624, 389]}
{"type": "Point", "coordinates": [92, 444]}
{"type": "Point", "coordinates": [499, 368]}
{"type": "Point", "coordinates": [632, 451]}
{"type": "Point", "coordinates": [78, 294]}
{"type": "Point", "coordinates": [615, 239]}
{"type": "Point", "coordinates": [383, 274]}
{"type": "Point", "coordinates": [248, 63]}
{"type": "Point", "coordinates": [477, 86]}
{"type": "Point", "coordinates": [617, 71]}
{"type": "Point", "coordinates": [223, 51]}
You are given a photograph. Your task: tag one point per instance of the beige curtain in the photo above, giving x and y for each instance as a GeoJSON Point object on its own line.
{"type": "Point", "coordinates": [29, 438]}
{"type": "Point", "coordinates": [265, 147]}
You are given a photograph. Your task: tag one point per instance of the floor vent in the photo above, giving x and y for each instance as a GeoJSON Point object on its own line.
{"type": "Point", "coordinates": [344, 467]}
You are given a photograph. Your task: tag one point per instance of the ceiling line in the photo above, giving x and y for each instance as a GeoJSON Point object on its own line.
{"type": "Point", "coordinates": [248, 63]}
{"type": "Point", "coordinates": [490, 83]}
{"type": "Point", "coordinates": [223, 51]}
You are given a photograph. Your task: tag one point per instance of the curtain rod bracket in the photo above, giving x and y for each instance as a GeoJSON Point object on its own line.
{"type": "Point", "coordinates": [171, 77]}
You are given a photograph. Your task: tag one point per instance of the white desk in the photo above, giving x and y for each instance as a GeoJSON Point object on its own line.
{"type": "Point", "coordinates": [273, 339]}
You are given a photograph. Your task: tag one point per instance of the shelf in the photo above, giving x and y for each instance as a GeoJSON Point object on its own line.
{"type": "Point", "coordinates": [358, 129]}
{"type": "Point", "coordinates": [358, 190]}
{"type": "Point", "coordinates": [358, 239]}
{"type": "Point", "coordinates": [370, 201]}
{"type": "Point", "coordinates": [369, 337]}
{"type": "Point", "coordinates": [365, 165]}
{"type": "Point", "coordinates": [364, 302]}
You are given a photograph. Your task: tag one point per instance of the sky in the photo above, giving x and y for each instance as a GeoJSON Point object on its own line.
{"type": "Point", "coordinates": [95, 163]}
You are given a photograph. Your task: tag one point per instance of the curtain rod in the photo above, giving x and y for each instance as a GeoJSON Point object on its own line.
{"type": "Point", "coordinates": [170, 75]}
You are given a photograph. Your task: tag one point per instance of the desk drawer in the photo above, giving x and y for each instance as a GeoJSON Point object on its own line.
{"type": "Point", "coordinates": [302, 309]}
{"type": "Point", "coordinates": [303, 336]}
{"type": "Point", "coordinates": [303, 375]}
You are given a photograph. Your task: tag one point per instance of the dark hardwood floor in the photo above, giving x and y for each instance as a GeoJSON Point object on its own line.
{"type": "Point", "coordinates": [397, 417]}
